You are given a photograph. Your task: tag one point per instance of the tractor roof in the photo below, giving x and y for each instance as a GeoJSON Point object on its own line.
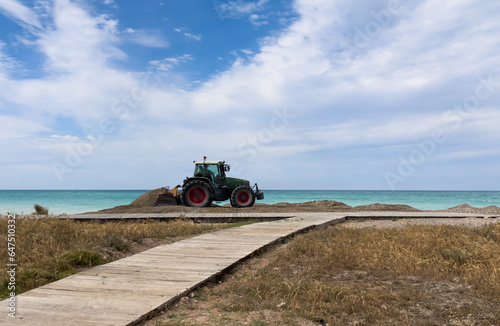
{"type": "Point", "coordinates": [208, 162]}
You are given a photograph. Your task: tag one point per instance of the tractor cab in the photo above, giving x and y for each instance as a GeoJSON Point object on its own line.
{"type": "Point", "coordinates": [213, 171]}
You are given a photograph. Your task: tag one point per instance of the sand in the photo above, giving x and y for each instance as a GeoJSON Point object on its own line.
{"type": "Point", "coordinates": [143, 204]}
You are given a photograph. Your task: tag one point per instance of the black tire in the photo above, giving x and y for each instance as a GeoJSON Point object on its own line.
{"type": "Point", "coordinates": [242, 197]}
{"type": "Point", "coordinates": [197, 194]}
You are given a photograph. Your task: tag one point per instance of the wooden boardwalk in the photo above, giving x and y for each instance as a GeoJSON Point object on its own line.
{"type": "Point", "coordinates": [126, 291]}
{"type": "Point", "coordinates": [197, 217]}
{"type": "Point", "coordinates": [242, 217]}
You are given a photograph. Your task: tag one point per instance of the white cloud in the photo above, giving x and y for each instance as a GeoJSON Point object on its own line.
{"type": "Point", "coordinates": [14, 127]}
{"type": "Point", "coordinates": [79, 40]}
{"type": "Point", "coordinates": [65, 138]}
{"type": "Point", "coordinates": [147, 38]}
{"type": "Point", "coordinates": [78, 82]}
{"type": "Point", "coordinates": [466, 154]}
{"type": "Point", "coordinates": [184, 31]}
{"type": "Point", "coordinates": [240, 8]}
{"type": "Point", "coordinates": [403, 58]}
{"type": "Point", "coordinates": [193, 36]}
{"type": "Point", "coordinates": [257, 20]}
{"type": "Point", "coordinates": [19, 12]}
{"type": "Point", "coordinates": [168, 63]}
{"type": "Point", "coordinates": [7, 63]}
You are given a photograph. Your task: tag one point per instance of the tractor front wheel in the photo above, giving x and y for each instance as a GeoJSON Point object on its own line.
{"type": "Point", "coordinates": [196, 194]}
{"type": "Point", "coordinates": [242, 197]}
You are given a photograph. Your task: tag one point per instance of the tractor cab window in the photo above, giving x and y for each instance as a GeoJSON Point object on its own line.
{"type": "Point", "coordinates": [199, 170]}
{"type": "Point", "coordinates": [212, 172]}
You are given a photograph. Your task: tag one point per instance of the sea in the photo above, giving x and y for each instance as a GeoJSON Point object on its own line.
{"type": "Point", "coordinates": [80, 201]}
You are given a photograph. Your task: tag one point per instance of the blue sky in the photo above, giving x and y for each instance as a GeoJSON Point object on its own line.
{"type": "Point", "coordinates": [304, 94]}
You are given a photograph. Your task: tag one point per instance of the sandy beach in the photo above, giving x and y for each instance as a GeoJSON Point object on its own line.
{"type": "Point", "coordinates": [143, 204]}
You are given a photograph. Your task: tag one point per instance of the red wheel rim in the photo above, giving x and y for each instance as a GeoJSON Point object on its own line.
{"type": "Point", "coordinates": [243, 197]}
{"type": "Point", "coordinates": [197, 195]}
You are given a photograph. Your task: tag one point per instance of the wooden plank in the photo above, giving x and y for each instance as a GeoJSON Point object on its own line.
{"type": "Point", "coordinates": [200, 217]}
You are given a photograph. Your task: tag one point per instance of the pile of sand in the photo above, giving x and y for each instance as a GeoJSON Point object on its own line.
{"type": "Point", "coordinates": [317, 205]}
{"type": "Point", "coordinates": [464, 208]}
{"type": "Point", "coordinates": [149, 198]}
{"type": "Point", "coordinates": [144, 203]}
{"type": "Point", "coordinates": [385, 207]}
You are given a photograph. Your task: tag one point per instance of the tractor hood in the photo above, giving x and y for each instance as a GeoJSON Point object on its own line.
{"type": "Point", "coordinates": [235, 182]}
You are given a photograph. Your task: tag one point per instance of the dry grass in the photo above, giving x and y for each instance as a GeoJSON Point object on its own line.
{"type": "Point", "coordinates": [417, 275]}
{"type": "Point", "coordinates": [467, 255]}
{"type": "Point", "coordinates": [445, 252]}
{"type": "Point", "coordinates": [48, 249]}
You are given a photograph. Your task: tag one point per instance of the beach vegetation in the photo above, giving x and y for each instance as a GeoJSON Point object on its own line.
{"type": "Point", "coordinates": [40, 210]}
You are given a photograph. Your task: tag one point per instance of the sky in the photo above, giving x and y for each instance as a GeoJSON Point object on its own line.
{"type": "Point", "coordinates": [302, 94]}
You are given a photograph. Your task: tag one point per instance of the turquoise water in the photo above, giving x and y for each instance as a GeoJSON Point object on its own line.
{"type": "Point", "coordinates": [64, 201]}
{"type": "Point", "coordinates": [431, 200]}
{"type": "Point", "coordinates": [79, 201]}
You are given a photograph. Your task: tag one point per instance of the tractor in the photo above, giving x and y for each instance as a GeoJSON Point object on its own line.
{"type": "Point", "coordinates": [209, 183]}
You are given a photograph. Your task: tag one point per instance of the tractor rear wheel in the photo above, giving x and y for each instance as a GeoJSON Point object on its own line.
{"type": "Point", "coordinates": [242, 197]}
{"type": "Point", "coordinates": [197, 194]}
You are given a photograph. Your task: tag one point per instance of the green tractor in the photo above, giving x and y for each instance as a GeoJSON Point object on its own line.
{"type": "Point", "coordinates": [210, 183]}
